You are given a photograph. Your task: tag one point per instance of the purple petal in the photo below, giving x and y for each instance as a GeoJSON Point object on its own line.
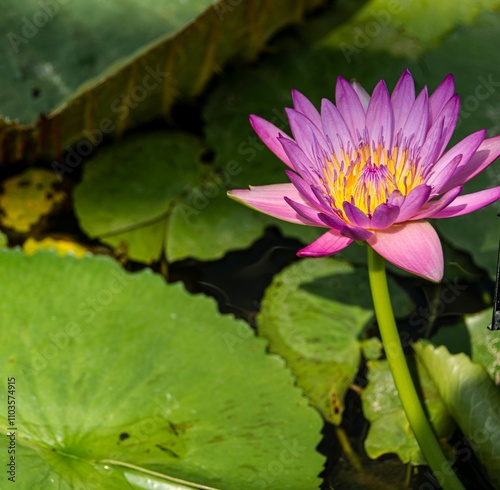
{"type": "Point", "coordinates": [431, 208]}
{"type": "Point", "coordinates": [363, 95]}
{"type": "Point", "coordinates": [355, 215]}
{"type": "Point", "coordinates": [488, 152]}
{"type": "Point", "coordinates": [443, 93]}
{"type": "Point", "coordinates": [384, 216]}
{"type": "Point", "coordinates": [465, 148]}
{"type": "Point", "coordinates": [302, 104]}
{"type": "Point", "coordinates": [308, 212]}
{"type": "Point", "coordinates": [416, 126]}
{"type": "Point", "coordinates": [304, 132]}
{"type": "Point", "coordinates": [441, 174]}
{"type": "Point", "coordinates": [349, 105]}
{"type": "Point", "coordinates": [300, 162]}
{"type": "Point", "coordinates": [305, 189]}
{"type": "Point", "coordinates": [413, 246]}
{"type": "Point", "coordinates": [469, 203]}
{"type": "Point", "coordinates": [402, 99]}
{"type": "Point", "coordinates": [349, 231]}
{"type": "Point", "coordinates": [335, 128]}
{"type": "Point", "coordinates": [450, 115]}
{"type": "Point", "coordinates": [433, 144]}
{"type": "Point", "coordinates": [414, 202]}
{"type": "Point", "coordinates": [379, 117]}
{"type": "Point", "coordinates": [327, 244]}
{"type": "Point", "coordinates": [269, 134]}
{"type": "Point", "coordinates": [270, 199]}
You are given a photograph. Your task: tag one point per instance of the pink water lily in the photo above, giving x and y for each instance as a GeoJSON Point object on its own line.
{"type": "Point", "coordinates": [374, 168]}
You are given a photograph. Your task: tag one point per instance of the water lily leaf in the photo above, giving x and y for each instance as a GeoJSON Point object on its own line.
{"type": "Point", "coordinates": [161, 200]}
{"type": "Point", "coordinates": [120, 381]}
{"type": "Point", "coordinates": [93, 79]}
{"type": "Point", "coordinates": [314, 314]}
{"type": "Point", "coordinates": [472, 399]}
{"type": "Point", "coordinates": [407, 27]}
{"type": "Point", "coordinates": [470, 336]}
{"type": "Point", "coordinates": [389, 430]}
{"type": "Point", "coordinates": [27, 197]}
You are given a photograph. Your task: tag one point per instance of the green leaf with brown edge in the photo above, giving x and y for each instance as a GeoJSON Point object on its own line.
{"type": "Point", "coordinates": [471, 398]}
{"type": "Point", "coordinates": [122, 381]}
{"type": "Point", "coordinates": [314, 315]}
{"type": "Point", "coordinates": [93, 79]}
{"type": "Point", "coordinates": [390, 430]}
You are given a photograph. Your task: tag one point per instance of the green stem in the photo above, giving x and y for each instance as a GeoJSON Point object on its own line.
{"type": "Point", "coordinates": [399, 368]}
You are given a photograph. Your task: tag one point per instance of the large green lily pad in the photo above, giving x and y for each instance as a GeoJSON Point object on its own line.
{"type": "Point", "coordinates": [471, 398]}
{"type": "Point", "coordinates": [121, 381]}
{"type": "Point", "coordinates": [390, 430]}
{"type": "Point", "coordinates": [65, 79]}
{"type": "Point", "coordinates": [314, 315]}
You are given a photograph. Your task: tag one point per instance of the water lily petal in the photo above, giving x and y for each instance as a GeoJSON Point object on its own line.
{"type": "Point", "coordinates": [335, 127]}
{"type": "Point", "coordinates": [432, 148]}
{"type": "Point", "coordinates": [304, 189]}
{"type": "Point", "coordinates": [414, 202]}
{"type": "Point", "coordinates": [469, 203]}
{"type": "Point", "coordinates": [416, 126]}
{"type": "Point", "coordinates": [349, 231]}
{"type": "Point", "coordinates": [300, 162]}
{"type": "Point", "coordinates": [488, 152]}
{"type": "Point", "coordinates": [269, 134]}
{"type": "Point", "coordinates": [355, 215]}
{"type": "Point", "coordinates": [450, 115]}
{"type": "Point", "coordinates": [402, 99]}
{"type": "Point", "coordinates": [309, 213]}
{"type": "Point", "coordinates": [413, 246]}
{"type": "Point", "coordinates": [327, 244]}
{"type": "Point", "coordinates": [379, 116]}
{"type": "Point", "coordinates": [440, 97]}
{"type": "Point", "coordinates": [438, 176]}
{"type": "Point", "coordinates": [384, 216]}
{"type": "Point", "coordinates": [270, 199]}
{"type": "Point", "coordinates": [363, 95]}
{"type": "Point", "coordinates": [349, 105]}
{"type": "Point", "coordinates": [304, 130]}
{"type": "Point", "coordinates": [445, 181]}
{"type": "Point", "coordinates": [302, 104]}
{"type": "Point", "coordinates": [431, 208]}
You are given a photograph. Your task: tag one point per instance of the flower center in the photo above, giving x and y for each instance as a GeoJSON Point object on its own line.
{"type": "Point", "coordinates": [367, 176]}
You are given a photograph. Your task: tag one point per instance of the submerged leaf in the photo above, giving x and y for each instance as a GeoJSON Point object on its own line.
{"type": "Point", "coordinates": [122, 380]}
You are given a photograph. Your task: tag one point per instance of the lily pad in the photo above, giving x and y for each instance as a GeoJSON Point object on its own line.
{"type": "Point", "coordinates": [122, 381]}
{"type": "Point", "coordinates": [314, 314]}
{"type": "Point", "coordinates": [472, 399]}
{"type": "Point", "coordinates": [471, 337]}
{"type": "Point", "coordinates": [161, 200]}
{"type": "Point", "coordinates": [27, 197]}
{"type": "Point", "coordinates": [390, 430]}
{"type": "Point", "coordinates": [66, 80]}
